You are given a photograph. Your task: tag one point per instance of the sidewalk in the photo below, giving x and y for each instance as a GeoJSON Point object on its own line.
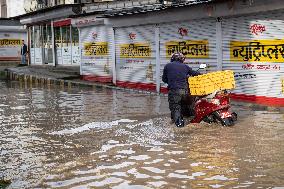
{"type": "Point", "coordinates": [70, 76]}
{"type": "Point", "coordinates": [67, 75]}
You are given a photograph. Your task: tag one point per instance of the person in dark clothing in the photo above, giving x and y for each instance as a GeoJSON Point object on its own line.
{"type": "Point", "coordinates": [24, 51]}
{"type": "Point", "coordinates": [175, 74]}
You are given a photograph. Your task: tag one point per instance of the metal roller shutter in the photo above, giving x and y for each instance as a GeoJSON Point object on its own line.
{"type": "Point", "coordinates": [135, 57]}
{"type": "Point", "coordinates": [253, 46]}
{"type": "Point", "coordinates": [96, 60]}
{"type": "Point", "coordinates": [196, 39]}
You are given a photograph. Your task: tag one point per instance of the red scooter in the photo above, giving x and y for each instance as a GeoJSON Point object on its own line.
{"type": "Point", "coordinates": [214, 107]}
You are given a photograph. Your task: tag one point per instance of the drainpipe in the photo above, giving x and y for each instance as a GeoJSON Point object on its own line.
{"type": "Point", "coordinates": [53, 44]}
{"type": "Point", "coordinates": [33, 44]}
{"type": "Point", "coordinates": [113, 63]}
{"type": "Point", "coordinates": [158, 64]}
{"type": "Point", "coordinates": [29, 45]}
{"type": "Point", "coordinates": [80, 49]}
{"type": "Point", "coordinates": [219, 42]}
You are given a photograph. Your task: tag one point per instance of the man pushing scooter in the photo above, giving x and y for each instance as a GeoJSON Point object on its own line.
{"type": "Point", "coordinates": [175, 74]}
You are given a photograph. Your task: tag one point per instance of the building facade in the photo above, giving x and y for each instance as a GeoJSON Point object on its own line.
{"type": "Point", "coordinates": [11, 8]}
{"type": "Point", "coordinates": [129, 43]}
{"type": "Point", "coordinates": [243, 36]}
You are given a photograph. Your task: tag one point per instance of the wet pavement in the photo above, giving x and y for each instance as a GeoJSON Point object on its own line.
{"type": "Point", "coordinates": [103, 138]}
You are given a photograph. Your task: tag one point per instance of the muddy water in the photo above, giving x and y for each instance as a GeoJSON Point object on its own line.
{"type": "Point", "coordinates": [98, 138]}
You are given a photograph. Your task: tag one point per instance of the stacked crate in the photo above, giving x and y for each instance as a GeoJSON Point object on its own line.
{"type": "Point", "coordinates": [208, 83]}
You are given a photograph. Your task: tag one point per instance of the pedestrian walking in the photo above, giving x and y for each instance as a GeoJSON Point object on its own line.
{"type": "Point", "coordinates": [175, 74]}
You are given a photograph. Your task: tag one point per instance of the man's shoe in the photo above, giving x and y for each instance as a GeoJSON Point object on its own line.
{"type": "Point", "coordinates": [180, 123]}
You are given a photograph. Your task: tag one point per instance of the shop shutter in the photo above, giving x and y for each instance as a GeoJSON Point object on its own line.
{"type": "Point", "coordinates": [196, 39]}
{"type": "Point", "coordinates": [10, 45]}
{"type": "Point", "coordinates": [96, 61]}
{"type": "Point", "coordinates": [253, 47]}
{"type": "Point", "coordinates": [135, 57]}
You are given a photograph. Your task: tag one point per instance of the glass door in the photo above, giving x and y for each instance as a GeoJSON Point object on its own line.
{"type": "Point", "coordinates": [47, 44]}
{"type": "Point", "coordinates": [66, 45]}
{"type": "Point", "coordinates": [58, 44]}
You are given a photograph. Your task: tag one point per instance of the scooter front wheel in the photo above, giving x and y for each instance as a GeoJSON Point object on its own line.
{"type": "Point", "coordinates": [224, 121]}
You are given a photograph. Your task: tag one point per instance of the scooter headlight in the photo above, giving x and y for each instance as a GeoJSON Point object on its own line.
{"type": "Point", "coordinates": [215, 101]}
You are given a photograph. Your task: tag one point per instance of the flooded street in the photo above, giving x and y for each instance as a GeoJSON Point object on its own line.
{"type": "Point", "coordinates": [102, 138]}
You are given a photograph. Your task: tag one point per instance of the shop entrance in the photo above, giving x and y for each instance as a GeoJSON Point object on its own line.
{"type": "Point", "coordinates": [66, 45]}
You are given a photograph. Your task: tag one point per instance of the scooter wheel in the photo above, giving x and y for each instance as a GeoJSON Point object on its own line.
{"type": "Point", "coordinates": [234, 116]}
{"type": "Point", "coordinates": [225, 122]}
{"type": "Point", "coordinates": [228, 122]}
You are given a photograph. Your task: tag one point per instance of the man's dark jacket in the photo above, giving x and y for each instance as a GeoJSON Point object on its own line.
{"type": "Point", "coordinates": [24, 49]}
{"type": "Point", "coordinates": [175, 74]}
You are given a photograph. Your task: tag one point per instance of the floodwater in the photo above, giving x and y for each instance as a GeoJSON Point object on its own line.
{"type": "Point", "coordinates": [101, 138]}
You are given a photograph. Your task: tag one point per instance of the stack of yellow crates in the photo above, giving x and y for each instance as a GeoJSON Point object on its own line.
{"type": "Point", "coordinates": [208, 83]}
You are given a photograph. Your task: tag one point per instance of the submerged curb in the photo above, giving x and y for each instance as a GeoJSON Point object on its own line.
{"type": "Point", "coordinates": [42, 80]}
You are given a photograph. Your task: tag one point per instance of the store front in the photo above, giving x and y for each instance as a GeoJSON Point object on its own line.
{"type": "Point", "coordinates": [248, 42]}
{"type": "Point", "coordinates": [96, 44]}
{"type": "Point", "coordinates": [11, 36]}
{"type": "Point", "coordinates": [253, 47]}
{"type": "Point", "coordinates": [66, 44]}
{"type": "Point", "coordinates": [190, 38]}
{"type": "Point", "coordinates": [52, 39]}
{"type": "Point", "coordinates": [136, 57]}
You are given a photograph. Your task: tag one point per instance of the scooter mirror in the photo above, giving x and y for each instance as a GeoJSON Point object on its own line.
{"type": "Point", "coordinates": [202, 66]}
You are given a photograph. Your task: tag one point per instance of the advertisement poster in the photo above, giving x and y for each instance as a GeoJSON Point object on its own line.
{"type": "Point", "coordinates": [76, 58]}
{"type": "Point", "coordinates": [32, 54]}
{"type": "Point", "coordinates": [66, 55]}
{"type": "Point", "coordinates": [59, 55]}
{"type": "Point", "coordinates": [38, 56]}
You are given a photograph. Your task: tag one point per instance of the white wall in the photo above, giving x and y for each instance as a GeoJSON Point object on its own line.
{"type": "Point", "coordinates": [15, 8]}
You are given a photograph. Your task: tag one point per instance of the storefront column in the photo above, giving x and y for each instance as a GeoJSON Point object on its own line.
{"type": "Point", "coordinates": [53, 45]}
{"type": "Point", "coordinates": [219, 44]}
{"type": "Point", "coordinates": [113, 57]}
{"type": "Point", "coordinates": [80, 49]}
{"type": "Point", "coordinates": [29, 44]}
{"type": "Point", "coordinates": [158, 65]}
{"type": "Point", "coordinates": [71, 43]}
{"type": "Point", "coordinates": [33, 45]}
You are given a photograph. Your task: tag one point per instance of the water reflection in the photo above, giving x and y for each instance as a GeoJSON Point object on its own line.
{"type": "Point", "coordinates": [54, 138]}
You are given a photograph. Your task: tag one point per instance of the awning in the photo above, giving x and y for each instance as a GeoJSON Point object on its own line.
{"type": "Point", "coordinates": [88, 21]}
{"type": "Point", "coordinates": [43, 16]}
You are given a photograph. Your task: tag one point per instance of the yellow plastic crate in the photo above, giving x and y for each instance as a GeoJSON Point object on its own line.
{"type": "Point", "coordinates": [207, 83]}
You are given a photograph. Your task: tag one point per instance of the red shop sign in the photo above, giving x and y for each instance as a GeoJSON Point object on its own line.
{"type": "Point", "coordinates": [62, 23]}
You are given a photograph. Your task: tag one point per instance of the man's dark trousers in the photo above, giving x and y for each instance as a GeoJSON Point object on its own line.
{"type": "Point", "coordinates": [176, 97]}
